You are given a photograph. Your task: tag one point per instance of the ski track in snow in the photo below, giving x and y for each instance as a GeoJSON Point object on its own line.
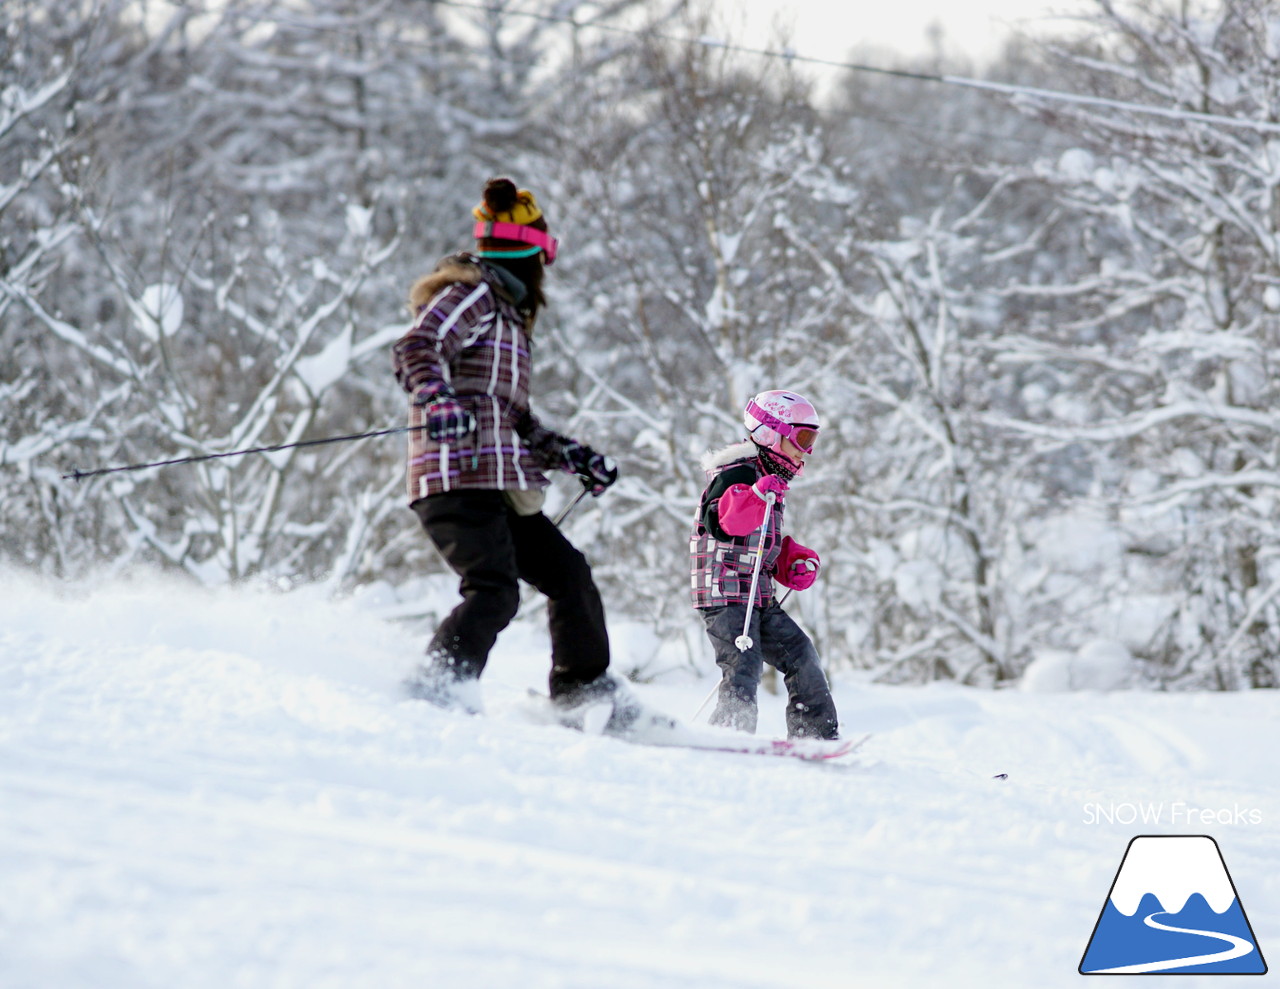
{"type": "Point", "coordinates": [227, 789]}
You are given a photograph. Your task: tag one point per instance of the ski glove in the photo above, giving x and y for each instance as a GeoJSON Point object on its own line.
{"type": "Point", "coordinates": [769, 485]}
{"type": "Point", "coordinates": [796, 566]}
{"type": "Point", "coordinates": [446, 420]}
{"type": "Point", "coordinates": [556, 452]}
{"type": "Point", "coordinates": [595, 470]}
{"type": "Point", "coordinates": [741, 508]}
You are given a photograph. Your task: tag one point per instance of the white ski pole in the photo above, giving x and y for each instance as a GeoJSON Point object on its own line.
{"type": "Point", "coordinates": [809, 565]}
{"type": "Point", "coordinates": [705, 701]}
{"type": "Point", "coordinates": [743, 642]}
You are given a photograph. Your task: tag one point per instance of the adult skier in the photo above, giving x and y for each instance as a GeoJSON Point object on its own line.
{"type": "Point", "coordinates": [476, 460]}
{"type": "Point", "coordinates": [739, 519]}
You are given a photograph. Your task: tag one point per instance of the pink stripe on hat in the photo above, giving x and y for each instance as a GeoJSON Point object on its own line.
{"type": "Point", "coordinates": [489, 230]}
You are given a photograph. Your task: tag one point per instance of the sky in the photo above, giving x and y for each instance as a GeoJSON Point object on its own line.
{"type": "Point", "coordinates": [975, 28]}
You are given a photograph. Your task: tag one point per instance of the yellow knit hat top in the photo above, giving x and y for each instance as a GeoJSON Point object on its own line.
{"type": "Point", "coordinates": [525, 212]}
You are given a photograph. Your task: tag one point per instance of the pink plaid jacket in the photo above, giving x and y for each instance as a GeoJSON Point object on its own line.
{"type": "Point", "coordinates": [721, 568]}
{"type": "Point", "coordinates": [470, 335]}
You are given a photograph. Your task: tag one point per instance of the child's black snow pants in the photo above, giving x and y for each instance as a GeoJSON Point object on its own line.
{"type": "Point", "coordinates": [492, 548]}
{"type": "Point", "coordinates": [780, 642]}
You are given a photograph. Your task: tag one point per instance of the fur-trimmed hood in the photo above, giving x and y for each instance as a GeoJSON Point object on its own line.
{"type": "Point", "coordinates": [467, 269]}
{"type": "Point", "coordinates": [449, 271]}
{"type": "Point", "coordinates": [727, 455]}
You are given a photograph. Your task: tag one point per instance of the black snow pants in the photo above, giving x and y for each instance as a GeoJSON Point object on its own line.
{"type": "Point", "coordinates": [780, 642]}
{"type": "Point", "coordinates": [492, 548]}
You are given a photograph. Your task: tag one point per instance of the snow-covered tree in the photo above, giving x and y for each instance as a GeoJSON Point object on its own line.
{"type": "Point", "coordinates": [57, 62]}
{"type": "Point", "coordinates": [1173, 294]}
{"type": "Point", "coordinates": [216, 217]}
{"type": "Point", "coordinates": [1040, 340]}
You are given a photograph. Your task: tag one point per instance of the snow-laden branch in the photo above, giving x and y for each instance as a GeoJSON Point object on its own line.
{"type": "Point", "coordinates": [1208, 482]}
{"type": "Point", "coordinates": [253, 419]}
{"type": "Point", "coordinates": [377, 341]}
{"type": "Point", "coordinates": [1256, 607]}
{"type": "Point", "coordinates": [35, 446]}
{"type": "Point", "coordinates": [117, 363]}
{"type": "Point", "coordinates": [16, 105]}
{"type": "Point", "coordinates": [985, 643]}
{"type": "Point", "coordinates": [1136, 425]}
{"type": "Point", "coordinates": [31, 170]}
{"type": "Point", "coordinates": [943, 513]}
{"type": "Point", "coordinates": [1019, 349]}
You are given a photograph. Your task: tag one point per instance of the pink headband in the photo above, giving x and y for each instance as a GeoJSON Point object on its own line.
{"type": "Point", "coordinates": [487, 229]}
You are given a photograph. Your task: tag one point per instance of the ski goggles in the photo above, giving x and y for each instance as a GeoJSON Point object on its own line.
{"type": "Point", "coordinates": [518, 232]}
{"type": "Point", "coordinates": [802, 436]}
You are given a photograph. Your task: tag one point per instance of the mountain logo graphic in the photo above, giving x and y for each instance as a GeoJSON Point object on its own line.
{"type": "Point", "coordinates": [1172, 910]}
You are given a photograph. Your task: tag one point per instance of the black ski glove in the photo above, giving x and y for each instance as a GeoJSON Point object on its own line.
{"type": "Point", "coordinates": [556, 452]}
{"type": "Point", "coordinates": [446, 420]}
{"type": "Point", "coordinates": [596, 471]}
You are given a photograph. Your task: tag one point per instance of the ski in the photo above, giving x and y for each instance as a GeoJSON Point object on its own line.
{"type": "Point", "coordinates": [807, 749]}
{"type": "Point", "coordinates": [663, 731]}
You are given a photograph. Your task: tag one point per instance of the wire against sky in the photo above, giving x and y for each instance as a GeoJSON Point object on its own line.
{"type": "Point", "coordinates": [1005, 89]}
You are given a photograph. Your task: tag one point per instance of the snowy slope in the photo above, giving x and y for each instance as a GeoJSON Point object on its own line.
{"type": "Point", "coordinates": [204, 789]}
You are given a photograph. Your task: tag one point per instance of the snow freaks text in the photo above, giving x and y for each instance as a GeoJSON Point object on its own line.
{"type": "Point", "coordinates": [1175, 813]}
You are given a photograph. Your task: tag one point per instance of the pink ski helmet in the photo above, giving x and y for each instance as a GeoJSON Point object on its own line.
{"type": "Point", "coordinates": [774, 415]}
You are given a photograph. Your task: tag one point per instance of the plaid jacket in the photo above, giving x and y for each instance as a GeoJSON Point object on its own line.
{"type": "Point", "coordinates": [721, 565]}
{"type": "Point", "coordinates": [470, 335]}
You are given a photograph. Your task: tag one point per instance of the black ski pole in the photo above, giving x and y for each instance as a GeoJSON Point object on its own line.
{"type": "Point", "coordinates": [80, 475]}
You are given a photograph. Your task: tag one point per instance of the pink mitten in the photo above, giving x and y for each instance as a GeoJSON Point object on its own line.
{"type": "Point", "coordinates": [769, 485]}
{"type": "Point", "coordinates": [797, 566]}
{"type": "Point", "coordinates": [742, 508]}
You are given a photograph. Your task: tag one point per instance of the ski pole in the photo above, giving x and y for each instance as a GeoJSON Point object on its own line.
{"type": "Point", "coordinates": [743, 642]}
{"type": "Point", "coordinates": [80, 475]}
{"type": "Point", "coordinates": [564, 512]}
{"type": "Point", "coordinates": [705, 701]}
{"type": "Point", "coordinates": [810, 565]}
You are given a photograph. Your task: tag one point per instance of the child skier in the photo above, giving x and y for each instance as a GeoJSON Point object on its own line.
{"type": "Point", "coordinates": [740, 516]}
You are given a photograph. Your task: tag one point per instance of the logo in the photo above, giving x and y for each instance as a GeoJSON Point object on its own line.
{"type": "Point", "coordinates": [1172, 910]}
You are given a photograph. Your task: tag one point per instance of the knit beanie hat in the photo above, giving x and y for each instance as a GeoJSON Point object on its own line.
{"type": "Point", "coordinates": [509, 224]}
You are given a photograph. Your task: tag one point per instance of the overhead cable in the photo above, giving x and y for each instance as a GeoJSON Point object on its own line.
{"type": "Point", "coordinates": [1005, 89]}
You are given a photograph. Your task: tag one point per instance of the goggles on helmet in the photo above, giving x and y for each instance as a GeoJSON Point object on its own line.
{"type": "Point", "coordinates": [540, 239]}
{"type": "Point", "coordinates": [803, 435]}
